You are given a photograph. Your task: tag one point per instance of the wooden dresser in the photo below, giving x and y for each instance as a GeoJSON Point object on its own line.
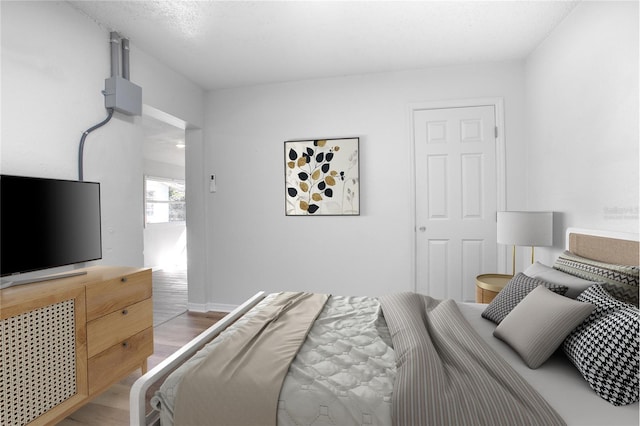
{"type": "Point", "coordinates": [66, 340]}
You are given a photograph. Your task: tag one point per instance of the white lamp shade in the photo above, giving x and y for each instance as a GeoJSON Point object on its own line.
{"type": "Point", "coordinates": [525, 228]}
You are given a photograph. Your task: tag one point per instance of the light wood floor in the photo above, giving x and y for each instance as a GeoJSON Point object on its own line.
{"type": "Point", "coordinates": [172, 330]}
{"type": "Point", "coordinates": [112, 407]}
{"type": "Point", "coordinates": [169, 294]}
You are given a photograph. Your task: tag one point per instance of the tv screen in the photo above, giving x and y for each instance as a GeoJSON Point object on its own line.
{"type": "Point", "coordinates": [46, 223]}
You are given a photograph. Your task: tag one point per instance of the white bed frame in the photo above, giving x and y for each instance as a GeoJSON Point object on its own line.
{"type": "Point", "coordinates": [137, 398]}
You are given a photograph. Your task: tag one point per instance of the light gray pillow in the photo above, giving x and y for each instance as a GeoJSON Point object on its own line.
{"type": "Point", "coordinates": [538, 325]}
{"type": "Point", "coordinates": [575, 284]}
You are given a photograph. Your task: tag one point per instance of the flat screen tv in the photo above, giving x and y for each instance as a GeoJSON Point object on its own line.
{"type": "Point", "coordinates": [46, 223]}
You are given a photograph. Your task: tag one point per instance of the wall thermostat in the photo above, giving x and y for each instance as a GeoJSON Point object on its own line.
{"type": "Point", "coordinates": [212, 184]}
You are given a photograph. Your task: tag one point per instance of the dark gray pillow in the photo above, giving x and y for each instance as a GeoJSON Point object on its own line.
{"type": "Point", "coordinates": [516, 290]}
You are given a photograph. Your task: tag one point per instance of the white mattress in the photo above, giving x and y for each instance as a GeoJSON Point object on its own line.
{"type": "Point", "coordinates": [344, 371]}
{"type": "Point", "coordinates": [557, 380]}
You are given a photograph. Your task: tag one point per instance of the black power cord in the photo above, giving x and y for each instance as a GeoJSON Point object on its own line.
{"type": "Point", "coordinates": [82, 140]}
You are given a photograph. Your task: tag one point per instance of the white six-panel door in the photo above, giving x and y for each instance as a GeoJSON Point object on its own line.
{"type": "Point", "coordinates": [456, 199]}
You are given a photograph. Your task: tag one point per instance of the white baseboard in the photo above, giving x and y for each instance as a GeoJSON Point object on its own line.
{"type": "Point", "coordinates": [211, 307]}
{"type": "Point", "coordinates": [197, 307]}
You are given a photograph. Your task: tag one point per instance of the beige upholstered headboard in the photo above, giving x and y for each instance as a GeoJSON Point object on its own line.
{"type": "Point", "coordinates": [610, 247]}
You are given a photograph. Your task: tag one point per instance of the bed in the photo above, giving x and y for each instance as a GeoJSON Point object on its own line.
{"type": "Point", "coordinates": [352, 361]}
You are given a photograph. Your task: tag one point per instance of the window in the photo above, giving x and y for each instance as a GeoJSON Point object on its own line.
{"type": "Point", "coordinates": [164, 200]}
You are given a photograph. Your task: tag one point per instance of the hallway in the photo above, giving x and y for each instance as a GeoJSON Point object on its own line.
{"type": "Point", "coordinates": [169, 294]}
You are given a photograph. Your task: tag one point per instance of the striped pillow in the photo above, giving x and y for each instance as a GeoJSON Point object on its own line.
{"type": "Point", "coordinates": [619, 280]}
{"type": "Point", "coordinates": [538, 325]}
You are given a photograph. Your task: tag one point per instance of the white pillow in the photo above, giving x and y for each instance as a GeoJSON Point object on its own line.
{"type": "Point", "coordinates": [546, 273]}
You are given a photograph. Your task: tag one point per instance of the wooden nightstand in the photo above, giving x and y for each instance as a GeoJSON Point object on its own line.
{"type": "Point", "coordinates": [489, 285]}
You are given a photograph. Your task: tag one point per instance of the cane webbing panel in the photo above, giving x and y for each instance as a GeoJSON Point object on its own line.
{"type": "Point", "coordinates": [38, 362]}
{"type": "Point", "coordinates": [603, 249]}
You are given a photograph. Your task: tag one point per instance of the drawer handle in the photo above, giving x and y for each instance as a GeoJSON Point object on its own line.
{"type": "Point", "coordinates": [123, 279]}
{"type": "Point", "coordinates": [125, 344]}
{"type": "Point", "coordinates": [125, 312]}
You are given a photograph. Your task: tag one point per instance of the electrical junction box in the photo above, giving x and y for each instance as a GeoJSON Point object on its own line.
{"type": "Point", "coordinates": [122, 95]}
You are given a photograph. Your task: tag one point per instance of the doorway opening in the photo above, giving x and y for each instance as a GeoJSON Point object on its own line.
{"type": "Point", "coordinates": [164, 200]}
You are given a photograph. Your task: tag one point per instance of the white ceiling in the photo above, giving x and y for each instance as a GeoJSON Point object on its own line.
{"type": "Point", "coordinates": [222, 44]}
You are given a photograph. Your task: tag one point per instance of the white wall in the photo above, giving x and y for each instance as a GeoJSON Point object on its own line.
{"type": "Point", "coordinates": [582, 158]}
{"type": "Point", "coordinates": [165, 245]}
{"type": "Point", "coordinates": [162, 169]}
{"type": "Point", "coordinates": [582, 116]}
{"type": "Point", "coordinates": [54, 63]}
{"type": "Point", "coordinates": [253, 245]}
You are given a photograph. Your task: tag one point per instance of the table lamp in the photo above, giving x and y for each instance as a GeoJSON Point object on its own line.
{"type": "Point", "coordinates": [525, 229]}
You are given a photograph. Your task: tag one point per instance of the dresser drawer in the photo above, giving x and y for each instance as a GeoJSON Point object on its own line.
{"type": "Point", "coordinates": [119, 360]}
{"type": "Point", "coordinates": [115, 327]}
{"type": "Point", "coordinates": [116, 293]}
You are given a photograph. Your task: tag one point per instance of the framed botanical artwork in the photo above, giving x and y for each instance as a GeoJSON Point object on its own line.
{"type": "Point", "coordinates": [322, 177]}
